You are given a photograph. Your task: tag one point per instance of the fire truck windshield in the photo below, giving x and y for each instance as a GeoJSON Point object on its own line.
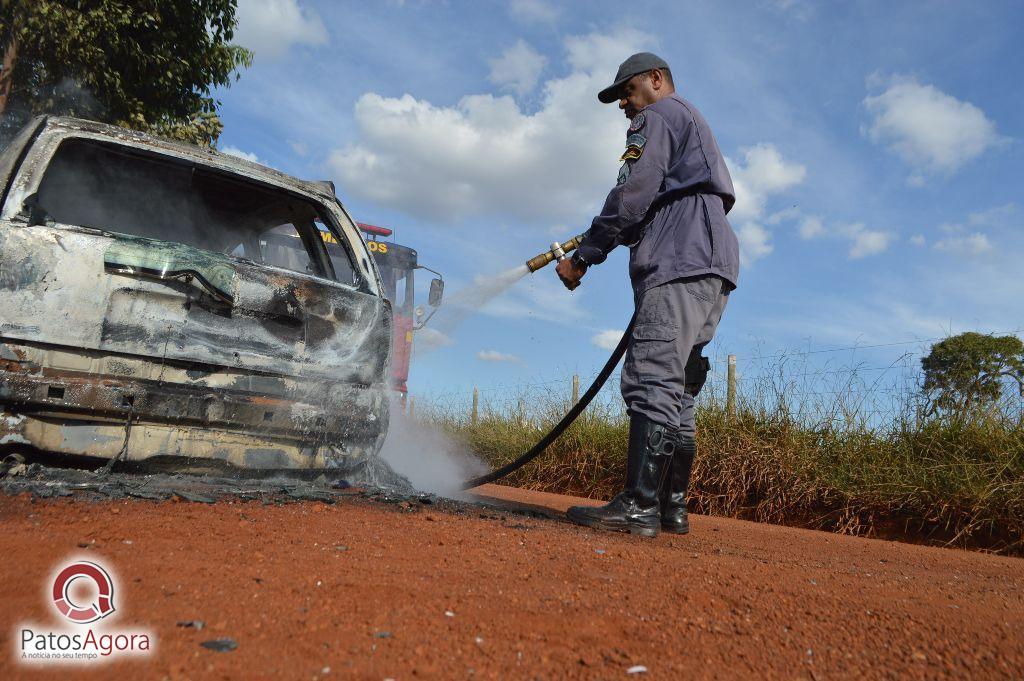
{"type": "Point", "coordinates": [399, 286]}
{"type": "Point", "coordinates": [396, 264]}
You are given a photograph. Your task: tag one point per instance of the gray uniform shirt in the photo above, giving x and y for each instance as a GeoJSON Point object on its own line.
{"type": "Point", "coordinates": [670, 202]}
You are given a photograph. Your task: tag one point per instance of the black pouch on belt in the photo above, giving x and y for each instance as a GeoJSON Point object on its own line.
{"type": "Point", "coordinates": [696, 372]}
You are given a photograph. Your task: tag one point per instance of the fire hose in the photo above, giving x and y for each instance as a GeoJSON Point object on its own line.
{"type": "Point", "coordinates": [558, 252]}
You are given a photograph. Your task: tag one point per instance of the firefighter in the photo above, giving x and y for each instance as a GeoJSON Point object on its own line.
{"type": "Point", "coordinates": [669, 206]}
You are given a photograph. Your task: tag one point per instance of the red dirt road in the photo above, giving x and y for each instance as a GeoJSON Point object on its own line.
{"type": "Point", "coordinates": [362, 589]}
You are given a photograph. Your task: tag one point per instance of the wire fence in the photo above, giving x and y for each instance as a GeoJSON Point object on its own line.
{"type": "Point", "coordinates": [838, 386]}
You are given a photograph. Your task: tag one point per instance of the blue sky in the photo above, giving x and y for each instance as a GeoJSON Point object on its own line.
{"type": "Point", "coordinates": [875, 147]}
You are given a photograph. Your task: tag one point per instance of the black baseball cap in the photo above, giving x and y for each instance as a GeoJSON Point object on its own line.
{"type": "Point", "coordinates": [641, 62]}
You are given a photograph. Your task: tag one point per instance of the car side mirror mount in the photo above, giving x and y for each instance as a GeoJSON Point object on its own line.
{"type": "Point", "coordinates": [32, 211]}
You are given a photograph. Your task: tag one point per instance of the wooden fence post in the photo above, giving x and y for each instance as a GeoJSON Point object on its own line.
{"type": "Point", "coordinates": [575, 388]}
{"type": "Point", "coordinates": [730, 394]}
{"type": "Point", "coordinates": [476, 406]}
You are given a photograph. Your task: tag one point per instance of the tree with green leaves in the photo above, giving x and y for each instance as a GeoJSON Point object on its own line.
{"type": "Point", "coordinates": [970, 371]}
{"type": "Point", "coordinates": [146, 64]}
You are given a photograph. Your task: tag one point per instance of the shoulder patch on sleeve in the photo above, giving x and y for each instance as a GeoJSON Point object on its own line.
{"type": "Point", "coordinates": [631, 154]}
{"type": "Point", "coordinates": [637, 122]}
{"type": "Point", "coordinates": [634, 147]}
{"type": "Point", "coordinates": [636, 140]}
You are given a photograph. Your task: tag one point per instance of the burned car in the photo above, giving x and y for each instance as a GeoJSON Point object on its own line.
{"type": "Point", "coordinates": [166, 304]}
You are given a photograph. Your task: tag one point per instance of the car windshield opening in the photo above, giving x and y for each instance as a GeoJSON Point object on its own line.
{"type": "Point", "coordinates": [127, 191]}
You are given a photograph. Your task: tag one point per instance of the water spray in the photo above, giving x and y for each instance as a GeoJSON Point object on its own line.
{"type": "Point", "coordinates": [484, 289]}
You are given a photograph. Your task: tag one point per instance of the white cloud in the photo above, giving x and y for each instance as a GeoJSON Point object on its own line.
{"type": "Point", "coordinates": [517, 69]}
{"type": "Point", "coordinates": [495, 356]}
{"type": "Point", "coordinates": [762, 174]}
{"type": "Point", "coordinates": [754, 242]}
{"type": "Point", "coordinates": [754, 239]}
{"type": "Point", "coordinates": [865, 242]}
{"type": "Point", "coordinates": [428, 339]}
{"type": "Point", "coordinates": [791, 213]}
{"type": "Point", "coordinates": [933, 132]}
{"type": "Point", "coordinates": [561, 232]}
{"type": "Point", "coordinates": [869, 243]}
{"type": "Point", "coordinates": [235, 151]}
{"type": "Point", "coordinates": [971, 244]}
{"type": "Point", "coordinates": [811, 227]}
{"type": "Point", "coordinates": [533, 11]}
{"type": "Point", "coordinates": [966, 239]}
{"type": "Point", "coordinates": [993, 216]}
{"type": "Point", "coordinates": [867, 319]}
{"type": "Point", "coordinates": [933, 305]}
{"type": "Point", "coordinates": [607, 339]}
{"type": "Point", "coordinates": [918, 240]}
{"type": "Point", "coordinates": [802, 10]}
{"type": "Point", "coordinates": [485, 155]}
{"type": "Point", "coordinates": [270, 27]}
{"type": "Point", "coordinates": [599, 54]}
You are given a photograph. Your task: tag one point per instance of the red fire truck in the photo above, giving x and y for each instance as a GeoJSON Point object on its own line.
{"type": "Point", "coordinates": [397, 265]}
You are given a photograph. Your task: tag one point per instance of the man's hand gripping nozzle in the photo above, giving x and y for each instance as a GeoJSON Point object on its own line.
{"type": "Point", "coordinates": [558, 252]}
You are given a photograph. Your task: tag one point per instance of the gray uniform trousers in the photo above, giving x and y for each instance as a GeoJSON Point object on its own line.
{"type": "Point", "coordinates": [672, 320]}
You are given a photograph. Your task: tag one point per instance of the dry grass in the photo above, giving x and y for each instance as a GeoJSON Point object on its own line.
{"type": "Point", "coordinates": [829, 466]}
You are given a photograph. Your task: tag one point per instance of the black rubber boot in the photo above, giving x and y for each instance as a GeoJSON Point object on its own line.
{"type": "Point", "coordinates": [637, 508]}
{"type": "Point", "coordinates": [677, 483]}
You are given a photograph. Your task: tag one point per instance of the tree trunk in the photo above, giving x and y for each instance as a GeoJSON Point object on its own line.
{"type": "Point", "coordinates": [7, 75]}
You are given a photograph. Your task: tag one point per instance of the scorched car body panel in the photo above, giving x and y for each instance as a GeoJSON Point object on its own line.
{"type": "Point", "coordinates": [161, 301]}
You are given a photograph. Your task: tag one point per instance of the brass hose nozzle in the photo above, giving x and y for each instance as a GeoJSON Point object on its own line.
{"type": "Point", "coordinates": [557, 252]}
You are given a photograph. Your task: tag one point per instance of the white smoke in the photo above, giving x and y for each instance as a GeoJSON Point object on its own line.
{"type": "Point", "coordinates": [429, 458]}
